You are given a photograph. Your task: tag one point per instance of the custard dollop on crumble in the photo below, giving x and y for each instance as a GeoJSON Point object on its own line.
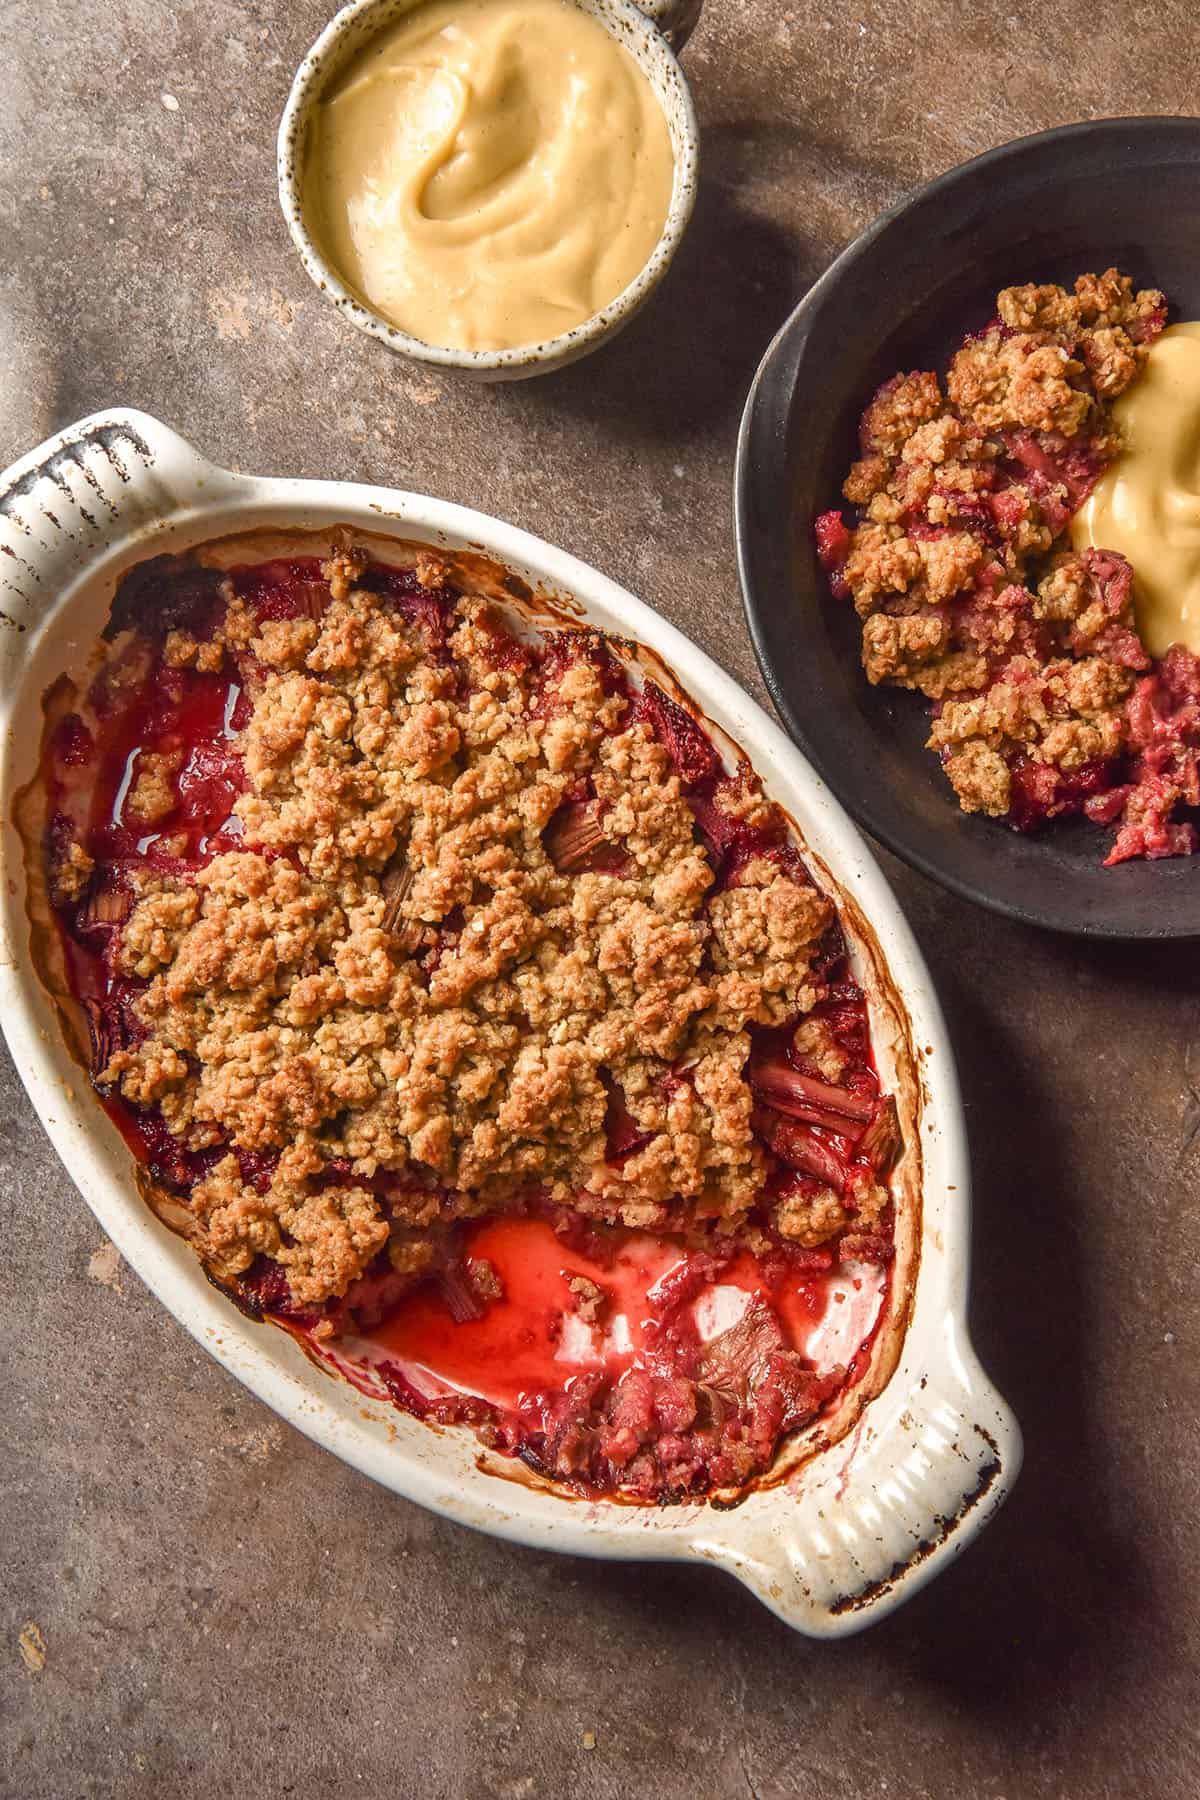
{"type": "Point", "coordinates": [460, 916]}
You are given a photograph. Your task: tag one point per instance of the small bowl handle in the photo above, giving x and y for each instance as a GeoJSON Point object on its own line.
{"type": "Point", "coordinates": [675, 19]}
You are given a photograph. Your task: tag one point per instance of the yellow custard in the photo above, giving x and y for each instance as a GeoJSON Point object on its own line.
{"type": "Point", "coordinates": [489, 173]}
{"type": "Point", "coordinates": [1147, 506]}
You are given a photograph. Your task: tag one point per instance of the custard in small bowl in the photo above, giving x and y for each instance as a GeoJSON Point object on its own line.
{"type": "Point", "coordinates": [490, 185]}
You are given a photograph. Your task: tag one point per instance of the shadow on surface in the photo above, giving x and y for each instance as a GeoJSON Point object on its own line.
{"type": "Point", "coordinates": [685, 363]}
{"type": "Point", "coordinates": [1049, 1612]}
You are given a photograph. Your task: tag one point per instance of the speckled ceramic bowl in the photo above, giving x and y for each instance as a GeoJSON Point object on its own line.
{"type": "Point", "coordinates": [650, 31]}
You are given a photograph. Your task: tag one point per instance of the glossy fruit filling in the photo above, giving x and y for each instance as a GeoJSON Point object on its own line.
{"type": "Point", "coordinates": [618, 1362]}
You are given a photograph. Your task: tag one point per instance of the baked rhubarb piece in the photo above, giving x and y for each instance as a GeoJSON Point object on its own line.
{"type": "Point", "coordinates": [469, 1014]}
{"type": "Point", "coordinates": [1045, 702]}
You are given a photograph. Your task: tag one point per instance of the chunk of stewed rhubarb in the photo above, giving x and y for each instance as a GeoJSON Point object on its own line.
{"type": "Point", "coordinates": [575, 840]}
{"type": "Point", "coordinates": [107, 905]}
{"type": "Point", "coordinates": [287, 588]}
{"type": "Point", "coordinates": [624, 1137]}
{"type": "Point", "coordinates": [801, 1147]}
{"type": "Point", "coordinates": [1148, 828]}
{"type": "Point", "coordinates": [881, 1143]}
{"type": "Point", "coordinates": [1040, 791]}
{"type": "Point", "coordinates": [1051, 461]}
{"type": "Point", "coordinates": [752, 1359]}
{"type": "Point", "coordinates": [208, 786]}
{"type": "Point", "coordinates": [463, 1299]}
{"type": "Point", "coordinates": [833, 547]}
{"type": "Point", "coordinates": [781, 1086]}
{"type": "Point", "coordinates": [685, 1281]}
{"type": "Point", "coordinates": [687, 745]}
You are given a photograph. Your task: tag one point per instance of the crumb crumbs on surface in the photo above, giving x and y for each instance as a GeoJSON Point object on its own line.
{"type": "Point", "coordinates": [32, 1647]}
{"type": "Point", "coordinates": [104, 1266]}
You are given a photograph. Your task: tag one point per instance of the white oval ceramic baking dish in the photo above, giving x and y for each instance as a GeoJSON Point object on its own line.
{"type": "Point", "coordinates": [851, 1527]}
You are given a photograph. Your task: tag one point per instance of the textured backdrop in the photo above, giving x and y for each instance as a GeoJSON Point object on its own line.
{"type": "Point", "coordinates": [220, 1608]}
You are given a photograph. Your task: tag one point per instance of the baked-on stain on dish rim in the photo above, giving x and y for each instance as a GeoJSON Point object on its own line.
{"type": "Point", "coordinates": [859, 1514]}
{"type": "Point", "coordinates": [650, 33]}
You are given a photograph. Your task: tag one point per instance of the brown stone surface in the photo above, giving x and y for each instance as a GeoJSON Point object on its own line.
{"type": "Point", "coordinates": [222, 1609]}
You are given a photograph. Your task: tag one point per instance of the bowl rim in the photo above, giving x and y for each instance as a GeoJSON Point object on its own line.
{"type": "Point", "coordinates": [756, 424]}
{"type": "Point", "coordinates": [643, 41]}
{"type": "Point", "coordinates": [937, 1449]}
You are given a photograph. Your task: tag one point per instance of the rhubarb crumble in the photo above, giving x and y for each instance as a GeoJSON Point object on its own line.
{"type": "Point", "coordinates": [401, 924]}
{"type": "Point", "coordinates": [1045, 701]}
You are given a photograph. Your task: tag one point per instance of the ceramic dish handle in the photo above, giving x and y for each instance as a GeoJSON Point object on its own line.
{"type": "Point", "coordinates": [79, 494]}
{"type": "Point", "coordinates": [927, 1465]}
{"type": "Point", "coordinates": [909, 1510]}
{"type": "Point", "coordinates": [675, 19]}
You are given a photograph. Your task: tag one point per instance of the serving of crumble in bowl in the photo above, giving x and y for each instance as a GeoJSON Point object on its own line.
{"type": "Point", "coordinates": [533, 1105]}
{"type": "Point", "coordinates": [921, 445]}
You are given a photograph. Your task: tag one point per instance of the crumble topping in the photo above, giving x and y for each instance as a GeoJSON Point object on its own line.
{"type": "Point", "coordinates": [152, 795]}
{"type": "Point", "coordinates": [469, 921]}
{"type": "Point", "coordinates": [71, 871]}
{"type": "Point", "coordinates": [1044, 698]}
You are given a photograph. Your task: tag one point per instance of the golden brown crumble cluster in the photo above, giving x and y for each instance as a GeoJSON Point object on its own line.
{"type": "Point", "coordinates": [394, 974]}
{"type": "Point", "coordinates": [960, 494]}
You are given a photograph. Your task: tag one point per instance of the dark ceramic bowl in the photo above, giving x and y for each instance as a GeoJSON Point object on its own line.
{"type": "Point", "coordinates": [1045, 208]}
